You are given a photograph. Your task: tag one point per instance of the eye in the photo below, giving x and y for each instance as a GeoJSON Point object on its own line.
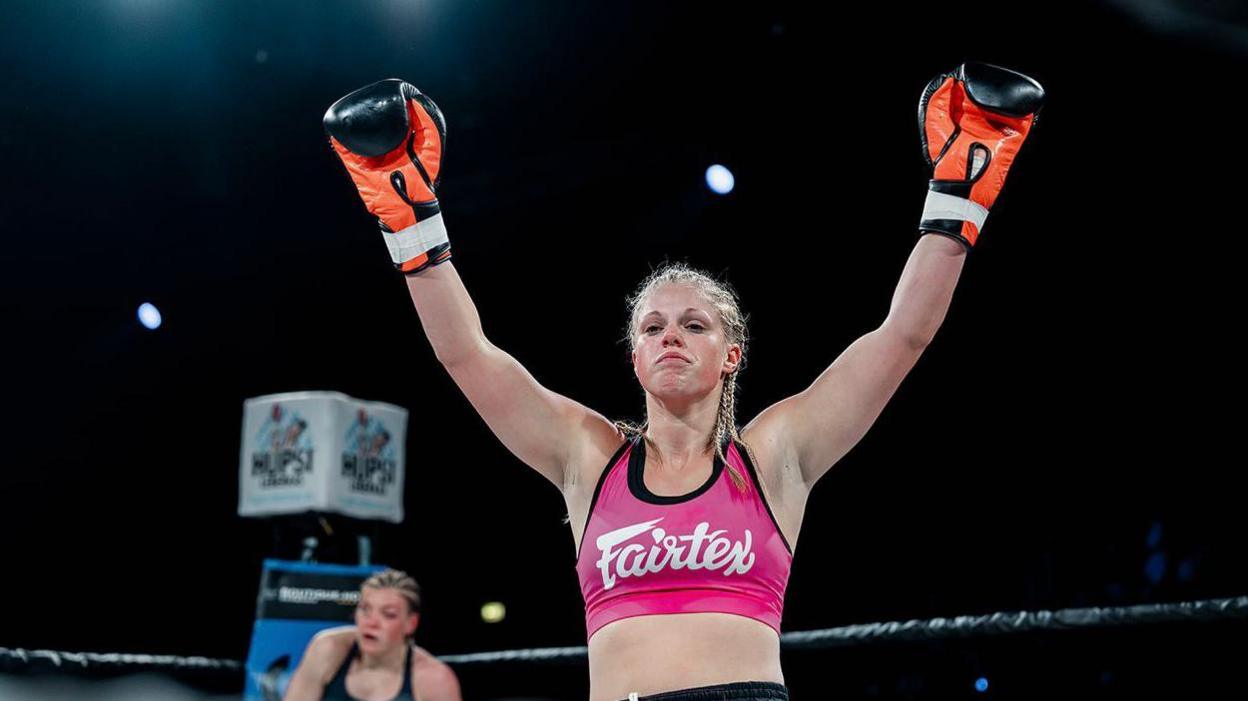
{"type": "Point", "coordinates": [650, 328]}
{"type": "Point", "coordinates": [698, 327]}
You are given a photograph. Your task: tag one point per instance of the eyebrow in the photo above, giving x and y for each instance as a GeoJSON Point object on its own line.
{"type": "Point", "coordinates": [656, 311]}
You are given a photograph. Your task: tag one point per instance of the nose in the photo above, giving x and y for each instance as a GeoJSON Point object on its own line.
{"type": "Point", "coordinates": [671, 336]}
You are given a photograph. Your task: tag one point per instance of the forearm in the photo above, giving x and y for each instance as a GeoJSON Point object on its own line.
{"type": "Point", "coordinates": [447, 313]}
{"type": "Point", "coordinates": [925, 290]}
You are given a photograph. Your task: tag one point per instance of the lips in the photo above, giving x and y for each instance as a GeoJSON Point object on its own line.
{"type": "Point", "coordinates": [671, 356]}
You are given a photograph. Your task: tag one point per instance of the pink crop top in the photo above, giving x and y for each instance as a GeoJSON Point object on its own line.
{"type": "Point", "coordinates": [716, 549]}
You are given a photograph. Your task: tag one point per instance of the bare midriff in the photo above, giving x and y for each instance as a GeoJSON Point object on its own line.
{"type": "Point", "coordinates": [654, 654]}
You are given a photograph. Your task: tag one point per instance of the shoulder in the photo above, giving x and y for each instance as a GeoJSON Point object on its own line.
{"type": "Point", "coordinates": [325, 653]}
{"type": "Point", "coordinates": [330, 645]}
{"type": "Point", "coordinates": [337, 636]}
{"type": "Point", "coordinates": [431, 677]}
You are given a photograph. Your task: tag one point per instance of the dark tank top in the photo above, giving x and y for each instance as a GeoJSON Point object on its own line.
{"type": "Point", "coordinates": [336, 690]}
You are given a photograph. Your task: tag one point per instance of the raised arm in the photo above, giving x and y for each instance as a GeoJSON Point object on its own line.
{"type": "Point", "coordinates": [819, 425]}
{"type": "Point", "coordinates": [542, 428]}
{"type": "Point", "coordinates": [390, 137]}
{"type": "Point", "coordinates": [973, 121]}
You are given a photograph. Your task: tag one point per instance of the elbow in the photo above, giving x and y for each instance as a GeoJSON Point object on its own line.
{"type": "Point", "coordinates": [447, 358]}
{"type": "Point", "coordinates": [913, 339]}
{"type": "Point", "coordinates": [919, 342]}
{"type": "Point", "coordinates": [451, 358]}
{"type": "Point", "coordinates": [450, 361]}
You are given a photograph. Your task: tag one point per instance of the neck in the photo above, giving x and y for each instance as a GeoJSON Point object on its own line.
{"type": "Point", "coordinates": [681, 436]}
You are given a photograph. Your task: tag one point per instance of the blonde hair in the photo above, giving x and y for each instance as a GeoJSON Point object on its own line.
{"type": "Point", "coordinates": [399, 581]}
{"type": "Point", "coordinates": [723, 299]}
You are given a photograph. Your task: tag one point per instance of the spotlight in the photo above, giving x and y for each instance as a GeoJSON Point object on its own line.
{"type": "Point", "coordinates": [149, 316]}
{"type": "Point", "coordinates": [719, 179]}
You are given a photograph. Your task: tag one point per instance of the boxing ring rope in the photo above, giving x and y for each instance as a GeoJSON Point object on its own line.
{"type": "Point", "coordinates": [932, 629]}
{"type": "Point", "coordinates": [17, 659]}
{"type": "Point", "coordinates": [1000, 623]}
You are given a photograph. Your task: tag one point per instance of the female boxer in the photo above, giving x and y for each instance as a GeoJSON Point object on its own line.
{"type": "Point", "coordinates": [685, 525]}
{"type": "Point", "coordinates": [374, 660]}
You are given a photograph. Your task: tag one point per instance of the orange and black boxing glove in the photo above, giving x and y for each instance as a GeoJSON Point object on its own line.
{"type": "Point", "coordinates": [391, 137]}
{"type": "Point", "coordinates": [972, 122]}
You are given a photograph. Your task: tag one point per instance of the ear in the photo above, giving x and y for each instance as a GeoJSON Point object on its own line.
{"type": "Point", "coordinates": [412, 622]}
{"type": "Point", "coordinates": [732, 359]}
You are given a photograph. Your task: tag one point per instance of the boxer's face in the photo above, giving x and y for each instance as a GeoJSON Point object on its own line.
{"type": "Point", "coordinates": [676, 320]}
{"type": "Point", "coordinates": [383, 620]}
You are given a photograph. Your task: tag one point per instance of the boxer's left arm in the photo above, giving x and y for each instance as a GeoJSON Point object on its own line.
{"type": "Point", "coordinates": [972, 122]}
{"type": "Point", "coordinates": [819, 425]}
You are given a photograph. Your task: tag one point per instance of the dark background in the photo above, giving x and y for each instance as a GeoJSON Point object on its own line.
{"type": "Point", "coordinates": [1070, 439]}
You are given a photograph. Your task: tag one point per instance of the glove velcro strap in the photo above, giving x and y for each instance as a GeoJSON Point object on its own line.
{"type": "Point", "coordinates": [944, 213]}
{"type": "Point", "coordinates": [941, 206]}
{"type": "Point", "coordinates": [417, 239]}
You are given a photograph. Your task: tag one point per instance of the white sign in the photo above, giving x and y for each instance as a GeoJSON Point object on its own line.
{"type": "Point", "coordinates": [322, 451]}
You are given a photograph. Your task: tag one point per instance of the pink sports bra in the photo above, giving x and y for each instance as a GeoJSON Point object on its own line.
{"type": "Point", "coordinates": [716, 549]}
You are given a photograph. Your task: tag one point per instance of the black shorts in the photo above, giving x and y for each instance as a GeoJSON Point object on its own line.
{"type": "Point", "coordinates": [737, 691]}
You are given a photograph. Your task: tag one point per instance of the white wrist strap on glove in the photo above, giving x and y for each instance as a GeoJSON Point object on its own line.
{"type": "Point", "coordinates": [942, 206]}
{"type": "Point", "coordinates": [421, 237]}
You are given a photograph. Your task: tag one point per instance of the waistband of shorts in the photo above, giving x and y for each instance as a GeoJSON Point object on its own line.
{"type": "Point", "coordinates": [736, 691]}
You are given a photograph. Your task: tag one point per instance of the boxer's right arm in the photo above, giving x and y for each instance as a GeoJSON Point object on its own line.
{"type": "Point", "coordinates": [325, 653]}
{"type": "Point", "coordinates": [305, 683]}
{"type": "Point", "coordinates": [391, 138]}
{"type": "Point", "coordinates": [544, 429]}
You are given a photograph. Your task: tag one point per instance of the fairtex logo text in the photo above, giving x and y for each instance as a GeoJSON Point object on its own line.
{"type": "Point", "coordinates": [702, 549]}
